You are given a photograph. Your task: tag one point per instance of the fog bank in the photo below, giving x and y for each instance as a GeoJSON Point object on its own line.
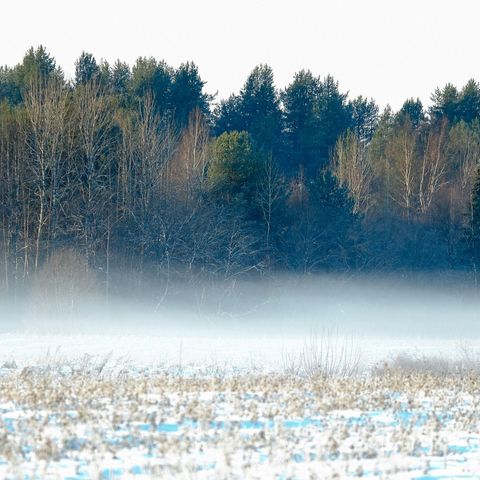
{"type": "Point", "coordinates": [247, 322]}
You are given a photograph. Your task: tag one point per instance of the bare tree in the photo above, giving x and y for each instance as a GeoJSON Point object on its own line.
{"type": "Point", "coordinates": [351, 167]}
{"type": "Point", "coordinates": [94, 176]}
{"type": "Point", "coordinates": [433, 166]}
{"type": "Point", "coordinates": [463, 157]}
{"type": "Point", "coordinates": [46, 111]}
{"type": "Point", "coordinates": [148, 144]}
{"type": "Point", "coordinates": [403, 153]}
{"type": "Point", "coordinates": [271, 190]}
{"type": "Point", "coordinates": [189, 164]}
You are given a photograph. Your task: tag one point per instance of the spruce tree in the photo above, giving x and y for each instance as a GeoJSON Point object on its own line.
{"type": "Point", "coordinates": [86, 69]}
{"type": "Point", "coordinates": [255, 110]}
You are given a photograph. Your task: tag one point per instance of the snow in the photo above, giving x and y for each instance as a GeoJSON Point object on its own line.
{"type": "Point", "coordinates": [138, 415]}
{"type": "Point", "coordinates": [239, 403]}
{"type": "Point", "coordinates": [261, 353]}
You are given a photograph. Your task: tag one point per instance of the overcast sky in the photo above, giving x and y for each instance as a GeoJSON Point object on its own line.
{"type": "Point", "coordinates": [389, 50]}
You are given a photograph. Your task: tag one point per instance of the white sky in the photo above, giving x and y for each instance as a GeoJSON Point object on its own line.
{"type": "Point", "coordinates": [386, 49]}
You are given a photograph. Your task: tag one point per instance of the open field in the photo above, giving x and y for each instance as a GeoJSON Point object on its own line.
{"type": "Point", "coordinates": [315, 380]}
{"type": "Point", "coordinates": [261, 354]}
{"type": "Point", "coordinates": [86, 419]}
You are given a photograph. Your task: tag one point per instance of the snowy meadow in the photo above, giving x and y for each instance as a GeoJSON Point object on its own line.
{"type": "Point", "coordinates": [331, 379]}
{"type": "Point", "coordinates": [86, 420]}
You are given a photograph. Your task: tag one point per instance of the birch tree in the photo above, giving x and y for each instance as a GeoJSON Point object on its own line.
{"type": "Point", "coordinates": [46, 112]}
{"type": "Point", "coordinates": [353, 172]}
{"type": "Point", "coordinates": [433, 167]}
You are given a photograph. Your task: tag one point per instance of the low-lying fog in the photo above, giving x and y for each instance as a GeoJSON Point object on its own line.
{"type": "Point", "coordinates": [247, 322]}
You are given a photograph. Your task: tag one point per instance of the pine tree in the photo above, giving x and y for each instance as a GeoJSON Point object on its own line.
{"type": "Point", "coordinates": [469, 102]}
{"type": "Point", "coordinates": [150, 77]}
{"type": "Point", "coordinates": [37, 67]}
{"type": "Point", "coordinates": [445, 103]}
{"type": "Point", "coordinates": [316, 114]}
{"type": "Point", "coordinates": [412, 111]}
{"type": "Point", "coordinates": [364, 118]}
{"type": "Point", "coordinates": [234, 169]}
{"type": "Point", "coordinates": [187, 94]}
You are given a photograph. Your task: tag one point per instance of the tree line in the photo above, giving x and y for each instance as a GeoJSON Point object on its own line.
{"type": "Point", "coordinates": [137, 168]}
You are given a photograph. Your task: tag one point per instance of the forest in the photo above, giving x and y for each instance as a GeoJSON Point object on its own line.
{"type": "Point", "coordinates": [137, 170]}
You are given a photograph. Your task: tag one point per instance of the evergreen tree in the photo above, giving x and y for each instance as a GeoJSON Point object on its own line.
{"type": "Point", "coordinates": [334, 115]}
{"type": "Point", "coordinates": [38, 63]}
{"type": "Point", "coordinates": [227, 116]}
{"type": "Point", "coordinates": [37, 66]}
{"type": "Point", "coordinates": [86, 69]}
{"type": "Point", "coordinates": [187, 93]}
{"type": "Point", "coordinates": [9, 88]}
{"type": "Point", "coordinates": [150, 76]}
{"type": "Point", "coordinates": [104, 76]}
{"type": "Point", "coordinates": [234, 169]}
{"type": "Point", "coordinates": [412, 110]}
{"type": "Point", "coordinates": [260, 110]}
{"type": "Point", "coordinates": [316, 113]}
{"type": "Point", "coordinates": [364, 118]}
{"type": "Point", "coordinates": [121, 77]}
{"type": "Point", "coordinates": [469, 102]}
{"type": "Point", "coordinates": [457, 106]}
{"type": "Point", "coordinates": [255, 110]}
{"type": "Point", "coordinates": [302, 124]}
{"type": "Point", "coordinates": [337, 220]}
{"type": "Point", "coordinates": [445, 103]}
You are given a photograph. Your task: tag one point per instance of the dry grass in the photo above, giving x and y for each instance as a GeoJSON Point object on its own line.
{"type": "Point", "coordinates": [58, 422]}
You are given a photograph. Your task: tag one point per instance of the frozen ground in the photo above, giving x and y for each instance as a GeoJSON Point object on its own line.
{"type": "Point", "coordinates": [137, 406]}
{"type": "Point", "coordinates": [261, 354]}
{"type": "Point", "coordinates": [330, 380]}
{"type": "Point", "coordinates": [80, 421]}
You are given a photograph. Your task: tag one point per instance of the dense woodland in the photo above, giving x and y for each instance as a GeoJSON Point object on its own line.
{"type": "Point", "coordinates": [136, 169]}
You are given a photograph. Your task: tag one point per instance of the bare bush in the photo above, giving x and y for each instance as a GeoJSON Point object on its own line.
{"type": "Point", "coordinates": [406, 364]}
{"type": "Point", "coordinates": [467, 362]}
{"type": "Point", "coordinates": [325, 355]}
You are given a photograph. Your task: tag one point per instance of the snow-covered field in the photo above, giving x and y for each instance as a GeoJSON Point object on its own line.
{"type": "Point", "coordinates": [87, 420]}
{"type": "Point", "coordinates": [320, 381]}
{"type": "Point", "coordinates": [260, 353]}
